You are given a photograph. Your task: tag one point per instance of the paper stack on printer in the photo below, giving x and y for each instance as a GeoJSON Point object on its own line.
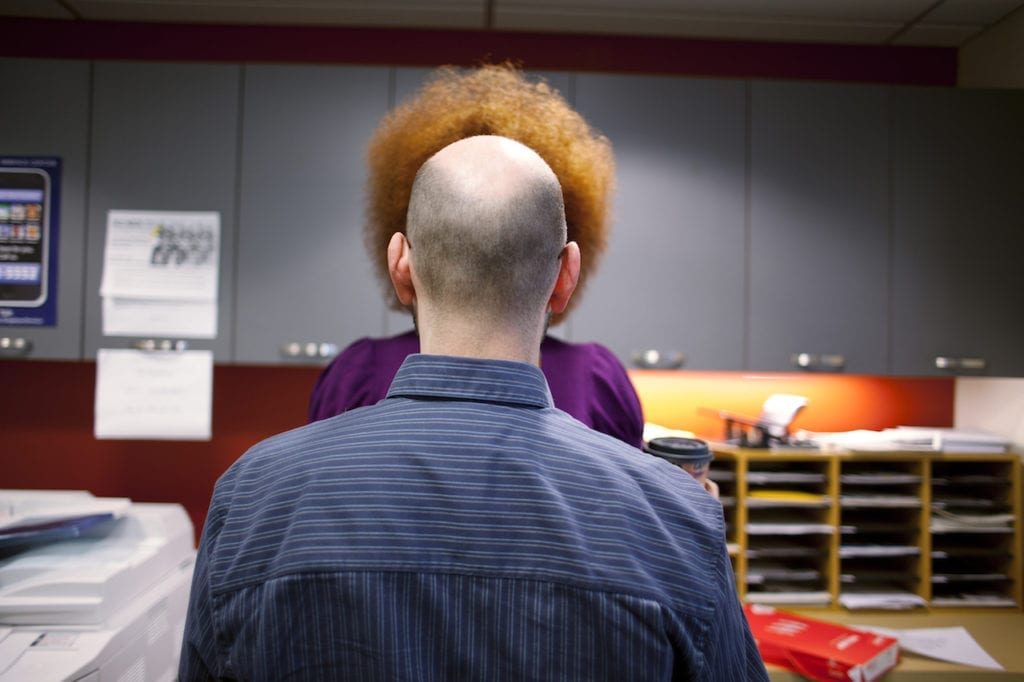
{"type": "Point", "coordinates": [91, 588]}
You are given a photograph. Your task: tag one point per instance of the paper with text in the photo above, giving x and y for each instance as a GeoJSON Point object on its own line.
{"type": "Point", "coordinates": [158, 317]}
{"type": "Point", "coordinates": [160, 395]}
{"type": "Point", "coordinates": [160, 273]}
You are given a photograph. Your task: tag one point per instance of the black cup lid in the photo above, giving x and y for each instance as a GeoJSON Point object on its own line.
{"type": "Point", "coordinates": [676, 449]}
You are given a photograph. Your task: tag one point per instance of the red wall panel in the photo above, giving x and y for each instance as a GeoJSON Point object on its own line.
{"type": "Point", "coordinates": [46, 421]}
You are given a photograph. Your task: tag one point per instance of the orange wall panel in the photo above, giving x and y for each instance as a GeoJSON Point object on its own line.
{"type": "Point", "coordinates": [836, 402]}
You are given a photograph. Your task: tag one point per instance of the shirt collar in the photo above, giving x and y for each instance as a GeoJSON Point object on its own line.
{"type": "Point", "coordinates": [458, 378]}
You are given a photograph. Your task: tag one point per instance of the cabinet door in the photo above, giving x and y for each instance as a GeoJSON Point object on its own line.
{"type": "Point", "coordinates": [958, 220]}
{"type": "Point", "coordinates": [819, 227]}
{"type": "Point", "coordinates": [674, 276]}
{"type": "Point", "coordinates": [164, 138]}
{"type": "Point", "coordinates": [303, 274]}
{"type": "Point", "coordinates": [45, 112]}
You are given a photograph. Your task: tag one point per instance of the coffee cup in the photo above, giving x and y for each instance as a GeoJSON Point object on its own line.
{"type": "Point", "coordinates": [690, 454]}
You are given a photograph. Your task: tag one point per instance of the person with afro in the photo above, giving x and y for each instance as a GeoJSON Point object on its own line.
{"type": "Point", "coordinates": [586, 379]}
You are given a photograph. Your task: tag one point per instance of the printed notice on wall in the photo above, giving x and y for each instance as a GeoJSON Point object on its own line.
{"type": "Point", "coordinates": [160, 271]}
{"type": "Point", "coordinates": [29, 226]}
{"type": "Point", "coordinates": [158, 395]}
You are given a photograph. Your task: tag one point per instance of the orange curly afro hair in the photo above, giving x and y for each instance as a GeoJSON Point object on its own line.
{"type": "Point", "coordinates": [490, 100]}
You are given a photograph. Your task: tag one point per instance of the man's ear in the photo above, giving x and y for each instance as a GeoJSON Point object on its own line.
{"type": "Point", "coordinates": [400, 268]}
{"type": "Point", "coordinates": [568, 276]}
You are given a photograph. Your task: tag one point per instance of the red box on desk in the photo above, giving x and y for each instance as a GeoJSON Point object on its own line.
{"type": "Point", "coordinates": [818, 649]}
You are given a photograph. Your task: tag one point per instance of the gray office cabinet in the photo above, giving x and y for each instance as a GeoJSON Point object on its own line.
{"type": "Point", "coordinates": [304, 278]}
{"type": "Point", "coordinates": [45, 113]}
{"type": "Point", "coordinates": [958, 232]}
{"type": "Point", "coordinates": [752, 221]}
{"type": "Point", "coordinates": [819, 189]}
{"type": "Point", "coordinates": [674, 275]}
{"type": "Point", "coordinates": [164, 138]}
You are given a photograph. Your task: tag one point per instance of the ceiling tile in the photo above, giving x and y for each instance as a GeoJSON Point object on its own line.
{"type": "Point", "coordinates": [814, 11]}
{"type": "Point", "coordinates": [38, 9]}
{"type": "Point", "coordinates": [412, 13]}
{"type": "Point", "coordinates": [947, 23]}
{"type": "Point", "coordinates": [976, 12]}
{"type": "Point", "coordinates": [937, 35]}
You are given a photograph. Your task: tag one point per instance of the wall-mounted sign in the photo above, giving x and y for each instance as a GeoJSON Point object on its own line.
{"type": "Point", "coordinates": [29, 222]}
{"type": "Point", "coordinates": [160, 271]}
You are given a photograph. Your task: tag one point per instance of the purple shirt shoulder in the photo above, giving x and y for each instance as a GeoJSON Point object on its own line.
{"type": "Point", "coordinates": [586, 380]}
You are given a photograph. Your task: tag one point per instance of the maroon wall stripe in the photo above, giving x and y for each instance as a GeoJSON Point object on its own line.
{"type": "Point", "coordinates": [535, 51]}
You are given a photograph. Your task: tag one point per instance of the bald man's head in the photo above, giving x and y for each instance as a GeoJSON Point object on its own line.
{"type": "Point", "coordinates": [486, 225]}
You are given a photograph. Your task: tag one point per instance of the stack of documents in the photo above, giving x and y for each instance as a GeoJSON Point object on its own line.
{"type": "Point", "coordinates": [879, 478]}
{"type": "Point", "coordinates": [776, 549]}
{"type": "Point", "coordinates": [950, 440]}
{"type": "Point", "coordinates": [910, 438]}
{"type": "Point", "coordinates": [790, 528]}
{"type": "Point", "coordinates": [850, 551]}
{"type": "Point", "coordinates": [944, 521]}
{"type": "Point", "coordinates": [876, 501]}
{"type": "Point", "coordinates": [896, 600]}
{"type": "Point", "coordinates": [946, 578]}
{"type": "Point", "coordinates": [764, 477]}
{"type": "Point", "coordinates": [964, 502]}
{"type": "Point", "coordinates": [790, 596]}
{"type": "Point", "coordinates": [863, 577]}
{"type": "Point", "coordinates": [763, 572]}
{"type": "Point", "coordinates": [975, 599]}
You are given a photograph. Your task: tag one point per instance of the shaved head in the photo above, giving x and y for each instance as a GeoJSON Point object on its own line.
{"type": "Point", "coordinates": [486, 226]}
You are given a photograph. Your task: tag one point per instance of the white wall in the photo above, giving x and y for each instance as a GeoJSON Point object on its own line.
{"type": "Point", "coordinates": [994, 405]}
{"type": "Point", "coordinates": [995, 59]}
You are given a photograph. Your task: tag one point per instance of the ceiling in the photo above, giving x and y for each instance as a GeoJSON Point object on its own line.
{"type": "Point", "coordinates": [939, 23]}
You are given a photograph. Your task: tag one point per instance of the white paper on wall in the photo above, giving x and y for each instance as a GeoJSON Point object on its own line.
{"type": "Point", "coordinates": [177, 319]}
{"type": "Point", "coordinates": [162, 395]}
{"type": "Point", "coordinates": [160, 272]}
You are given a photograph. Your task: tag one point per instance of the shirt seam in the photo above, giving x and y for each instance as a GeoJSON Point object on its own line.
{"type": "Point", "coordinates": [703, 611]}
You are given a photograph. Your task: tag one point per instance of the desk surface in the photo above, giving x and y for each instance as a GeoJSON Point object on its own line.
{"type": "Point", "coordinates": [1000, 634]}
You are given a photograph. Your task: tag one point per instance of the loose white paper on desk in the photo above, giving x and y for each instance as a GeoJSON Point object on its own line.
{"type": "Point", "coordinates": [953, 644]}
{"type": "Point", "coordinates": [153, 262]}
{"type": "Point", "coordinates": [162, 395]}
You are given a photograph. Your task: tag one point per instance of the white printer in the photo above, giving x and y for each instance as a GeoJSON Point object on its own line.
{"type": "Point", "coordinates": [91, 588]}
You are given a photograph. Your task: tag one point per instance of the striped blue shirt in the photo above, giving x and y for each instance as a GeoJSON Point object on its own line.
{"type": "Point", "coordinates": [462, 529]}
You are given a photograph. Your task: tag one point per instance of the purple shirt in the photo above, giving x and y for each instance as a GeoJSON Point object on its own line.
{"type": "Point", "coordinates": [586, 380]}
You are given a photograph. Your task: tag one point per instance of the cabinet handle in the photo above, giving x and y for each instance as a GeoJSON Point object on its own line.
{"type": "Point", "coordinates": [812, 361]}
{"type": "Point", "coordinates": [15, 346]}
{"type": "Point", "coordinates": [309, 350]}
{"type": "Point", "coordinates": [161, 344]}
{"type": "Point", "coordinates": [655, 359]}
{"type": "Point", "coordinates": [951, 363]}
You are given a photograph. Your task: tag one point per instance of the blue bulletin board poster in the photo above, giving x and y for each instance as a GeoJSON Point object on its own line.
{"type": "Point", "coordinates": [29, 226]}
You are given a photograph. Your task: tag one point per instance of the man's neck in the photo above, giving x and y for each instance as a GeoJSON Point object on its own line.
{"type": "Point", "coordinates": [474, 341]}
